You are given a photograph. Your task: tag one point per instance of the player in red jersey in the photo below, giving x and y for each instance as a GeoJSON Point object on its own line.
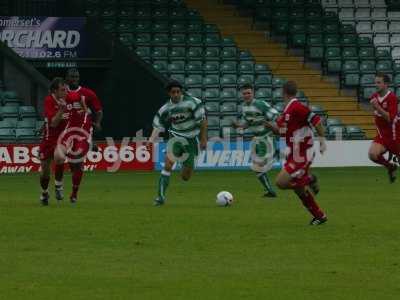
{"type": "Point", "coordinates": [296, 124]}
{"type": "Point", "coordinates": [74, 141]}
{"type": "Point", "coordinates": [56, 116]}
{"type": "Point", "coordinates": [387, 124]}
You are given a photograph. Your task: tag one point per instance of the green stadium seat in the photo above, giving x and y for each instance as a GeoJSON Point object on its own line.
{"type": "Point", "coordinates": [396, 80]}
{"type": "Point", "coordinates": [367, 92]}
{"type": "Point", "coordinates": [211, 53]}
{"type": "Point", "coordinates": [177, 67]}
{"type": "Point", "coordinates": [159, 39]}
{"type": "Point", "coordinates": [281, 27]}
{"type": "Point", "coordinates": [228, 42]}
{"type": "Point", "coordinates": [350, 66]}
{"type": "Point", "coordinates": [349, 40]}
{"type": "Point", "coordinates": [178, 27]}
{"type": "Point", "coordinates": [298, 40]}
{"type": "Point", "coordinates": [211, 67]}
{"type": "Point", "coordinates": [177, 14]}
{"type": "Point", "coordinates": [246, 67]}
{"type": "Point", "coordinates": [195, 92]}
{"type": "Point", "coordinates": [263, 81]}
{"type": "Point", "coordinates": [194, 67]}
{"type": "Point", "coordinates": [126, 39]}
{"type": "Point", "coordinates": [314, 27]}
{"type": "Point", "coordinates": [212, 40]}
{"type": "Point", "coordinates": [364, 41]}
{"type": "Point", "coordinates": [333, 122]}
{"type": "Point", "coordinates": [211, 94]}
{"type": "Point", "coordinates": [367, 79]}
{"type": "Point", "coordinates": [177, 39]}
{"type": "Point", "coordinates": [315, 40]}
{"type": "Point", "coordinates": [195, 39]}
{"type": "Point", "coordinates": [27, 111]}
{"type": "Point", "coordinates": [26, 135]}
{"type": "Point", "coordinates": [160, 27]}
{"type": "Point", "coordinates": [194, 53]}
{"type": "Point", "coordinates": [213, 133]}
{"type": "Point", "coordinates": [110, 27]}
{"type": "Point", "coordinates": [352, 79]}
{"type": "Point", "coordinates": [278, 82]}
{"type": "Point", "coordinates": [27, 123]}
{"type": "Point", "coordinates": [396, 67]}
{"type": "Point", "coordinates": [366, 53]}
{"type": "Point", "coordinates": [333, 53]}
{"type": "Point", "coordinates": [382, 54]}
{"type": "Point", "coordinates": [245, 55]}
{"type": "Point", "coordinates": [277, 95]}
{"type": "Point", "coordinates": [245, 79]}
{"type": "Point", "coordinates": [210, 28]}
{"type": "Point", "coordinates": [7, 134]}
{"type": "Point", "coordinates": [160, 13]}
{"type": "Point", "coordinates": [126, 13]}
{"type": "Point", "coordinates": [384, 66]}
{"type": "Point", "coordinates": [195, 27]}
{"type": "Point", "coordinates": [227, 108]}
{"type": "Point", "coordinates": [227, 121]}
{"type": "Point", "coordinates": [331, 27]}
{"type": "Point", "coordinates": [279, 106]}
{"type": "Point", "coordinates": [144, 39]}
{"type": "Point", "coordinates": [316, 53]}
{"type": "Point", "coordinates": [349, 53]}
{"type": "Point", "coordinates": [143, 52]}
{"type": "Point", "coordinates": [228, 94]}
{"type": "Point", "coordinates": [228, 67]}
{"type": "Point", "coordinates": [229, 53]}
{"type": "Point", "coordinates": [213, 122]}
{"type": "Point", "coordinates": [264, 94]}
{"type": "Point", "coordinates": [161, 66]}
{"type": "Point", "coordinates": [140, 26]}
{"type": "Point", "coordinates": [367, 66]}
{"type": "Point", "coordinates": [211, 81]}
{"type": "Point", "coordinates": [159, 53]}
{"type": "Point", "coordinates": [9, 111]}
{"type": "Point", "coordinates": [177, 53]}
{"type": "Point", "coordinates": [194, 80]}
{"type": "Point", "coordinates": [8, 123]}
{"type": "Point", "coordinates": [142, 13]}
{"type": "Point", "coordinates": [297, 27]}
{"type": "Point", "coordinates": [261, 69]}
{"type": "Point", "coordinates": [354, 133]}
{"type": "Point", "coordinates": [332, 40]}
{"type": "Point", "coordinates": [228, 80]}
{"type": "Point", "coordinates": [212, 107]}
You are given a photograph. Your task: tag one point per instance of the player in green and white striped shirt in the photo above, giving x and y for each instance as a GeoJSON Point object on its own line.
{"type": "Point", "coordinates": [254, 115]}
{"type": "Point", "coordinates": [184, 118]}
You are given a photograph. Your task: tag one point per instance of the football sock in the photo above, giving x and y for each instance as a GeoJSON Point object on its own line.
{"type": "Point", "coordinates": [77, 174]}
{"type": "Point", "coordinates": [263, 178]}
{"type": "Point", "coordinates": [309, 202]}
{"type": "Point", "coordinates": [163, 183]}
{"type": "Point", "coordinates": [382, 161]}
{"type": "Point", "coordinates": [44, 183]}
{"type": "Point", "coordinates": [59, 174]}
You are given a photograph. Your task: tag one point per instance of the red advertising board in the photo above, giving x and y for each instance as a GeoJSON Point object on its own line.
{"type": "Point", "coordinates": [16, 158]}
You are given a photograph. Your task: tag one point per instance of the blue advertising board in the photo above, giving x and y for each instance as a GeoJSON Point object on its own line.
{"type": "Point", "coordinates": [44, 37]}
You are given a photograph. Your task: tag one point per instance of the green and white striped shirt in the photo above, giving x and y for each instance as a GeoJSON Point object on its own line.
{"type": "Point", "coordinates": [255, 114]}
{"type": "Point", "coordinates": [182, 119]}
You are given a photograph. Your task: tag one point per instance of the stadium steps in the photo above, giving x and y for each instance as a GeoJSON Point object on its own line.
{"type": "Point", "coordinates": [283, 64]}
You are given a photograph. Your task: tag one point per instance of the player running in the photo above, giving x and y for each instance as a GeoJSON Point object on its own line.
{"type": "Point", "coordinates": [55, 115]}
{"type": "Point", "coordinates": [74, 141]}
{"type": "Point", "coordinates": [296, 124]}
{"type": "Point", "coordinates": [184, 116]}
{"type": "Point", "coordinates": [384, 103]}
{"type": "Point", "coordinates": [254, 114]}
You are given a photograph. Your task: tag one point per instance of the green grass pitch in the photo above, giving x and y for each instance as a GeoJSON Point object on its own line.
{"type": "Point", "coordinates": [115, 245]}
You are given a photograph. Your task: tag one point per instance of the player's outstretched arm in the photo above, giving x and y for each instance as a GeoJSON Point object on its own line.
{"type": "Point", "coordinates": [380, 110]}
{"type": "Point", "coordinates": [320, 129]}
{"type": "Point", "coordinates": [55, 121]}
{"type": "Point", "coordinates": [272, 126]}
{"type": "Point", "coordinates": [154, 135]}
{"type": "Point", "coordinates": [203, 134]}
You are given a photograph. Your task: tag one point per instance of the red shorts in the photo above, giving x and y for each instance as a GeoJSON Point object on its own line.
{"type": "Point", "coordinates": [46, 149]}
{"type": "Point", "coordinates": [391, 145]}
{"type": "Point", "coordinates": [298, 170]}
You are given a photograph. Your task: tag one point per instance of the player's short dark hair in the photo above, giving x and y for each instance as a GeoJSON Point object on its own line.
{"type": "Point", "coordinates": [246, 86]}
{"type": "Point", "coordinates": [290, 88]}
{"type": "Point", "coordinates": [173, 83]}
{"type": "Point", "coordinates": [385, 77]}
{"type": "Point", "coordinates": [55, 83]}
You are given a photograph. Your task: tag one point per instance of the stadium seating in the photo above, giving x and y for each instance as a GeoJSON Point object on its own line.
{"type": "Point", "coordinates": [179, 44]}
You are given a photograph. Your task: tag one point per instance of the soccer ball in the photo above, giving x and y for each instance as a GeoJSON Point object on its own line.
{"type": "Point", "coordinates": [224, 198]}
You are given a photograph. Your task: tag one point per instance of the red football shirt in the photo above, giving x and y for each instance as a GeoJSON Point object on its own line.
{"type": "Point", "coordinates": [91, 100]}
{"type": "Point", "coordinates": [51, 107]}
{"type": "Point", "coordinates": [295, 125]}
{"type": "Point", "coordinates": [78, 111]}
{"type": "Point", "coordinates": [388, 103]}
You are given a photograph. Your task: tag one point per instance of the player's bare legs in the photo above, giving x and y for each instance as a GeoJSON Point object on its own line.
{"type": "Point", "coordinates": [77, 173]}
{"type": "Point", "coordinates": [285, 181]}
{"type": "Point", "coordinates": [44, 180]}
{"type": "Point", "coordinates": [375, 154]}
